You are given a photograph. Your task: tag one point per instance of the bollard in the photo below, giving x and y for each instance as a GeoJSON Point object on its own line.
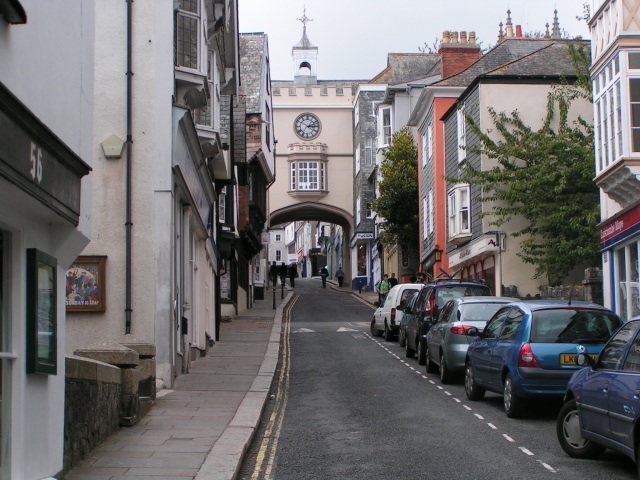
{"type": "Point", "coordinates": [282, 292]}
{"type": "Point", "coordinates": [274, 296]}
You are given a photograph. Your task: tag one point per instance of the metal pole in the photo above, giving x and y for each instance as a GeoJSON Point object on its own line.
{"type": "Point", "coordinates": [282, 291]}
{"type": "Point", "coordinates": [274, 295]}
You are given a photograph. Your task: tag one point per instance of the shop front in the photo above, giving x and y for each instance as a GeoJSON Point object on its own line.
{"type": "Point", "coordinates": [479, 260]}
{"type": "Point", "coordinates": [620, 243]}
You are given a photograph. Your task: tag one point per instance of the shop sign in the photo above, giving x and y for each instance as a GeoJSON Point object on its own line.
{"type": "Point", "coordinates": [620, 229]}
{"type": "Point", "coordinates": [360, 236]}
{"type": "Point", "coordinates": [472, 250]}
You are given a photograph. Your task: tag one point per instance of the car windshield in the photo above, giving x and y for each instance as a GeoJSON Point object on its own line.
{"type": "Point", "coordinates": [478, 311]}
{"type": "Point", "coordinates": [444, 294]}
{"type": "Point", "coordinates": [573, 325]}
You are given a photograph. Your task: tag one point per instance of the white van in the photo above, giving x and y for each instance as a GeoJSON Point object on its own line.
{"type": "Point", "coordinates": [387, 318]}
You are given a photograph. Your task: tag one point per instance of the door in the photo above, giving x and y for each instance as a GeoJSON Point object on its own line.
{"type": "Point", "coordinates": [506, 346]}
{"type": "Point", "coordinates": [482, 348]}
{"type": "Point", "coordinates": [594, 400]}
{"type": "Point", "coordinates": [624, 395]}
{"type": "Point", "coordinates": [438, 331]}
{"type": "Point", "coordinates": [417, 314]}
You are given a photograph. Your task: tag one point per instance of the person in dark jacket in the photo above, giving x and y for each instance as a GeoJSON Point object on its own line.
{"type": "Point", "coordinates": [273, 273]}
{"type": "Point", "coordinates": [340, 276]}
{"type": "Point", "coordinates": [282, 271]}
{"type": "Point", "coordinates": [393, 281]}
{"type": "Point", "coordinates": [293, 273]}
{"type": "Point", "coordinates": [324, 273]}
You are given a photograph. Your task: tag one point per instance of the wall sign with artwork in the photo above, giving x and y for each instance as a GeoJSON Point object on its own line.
{"type": "Point", "coordinates": [85, 285]}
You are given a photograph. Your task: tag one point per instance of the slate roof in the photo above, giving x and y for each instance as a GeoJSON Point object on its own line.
{"type": "Point", "coordinates": [252, 51]}
{"type": "Point", "coordinates": [408, 67]}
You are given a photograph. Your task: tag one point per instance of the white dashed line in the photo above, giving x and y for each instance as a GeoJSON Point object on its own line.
{"type": "Point", "coordinates": [457, 400]}
{"type": "Point", "coordinates": [492, 426]}
{"type": "Point", "coordinates": [479, 416]}
{"type": "Point", "coordinates": [423, 376]}
{"type": "Point", "coordinates": [432, 382]}
{"type": "Point", "coordinates": [548, 467]}
{"type": "Point", "coordinates": [467, 407]}
{"type": "Point", "coordinates": [447, 393]}
{"type": "Point", "coordinates": [439, 387]}
{"type": "Point", "coordinates": [528, 452]}
{"type": "Point", "coordinates": [508, 437]}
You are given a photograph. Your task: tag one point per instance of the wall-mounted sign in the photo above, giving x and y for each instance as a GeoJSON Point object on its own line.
{"type": "Point", "coordinates": [360, 236]}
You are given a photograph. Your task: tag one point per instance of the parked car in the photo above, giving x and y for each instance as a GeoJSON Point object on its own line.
{"type": "Point", "coordinates": [602, 401]}
{"type": "Point", "coordinates": [387, 318]}
{"type": "Point", "coordinates": [447, 340]}
{"type": "Point", "coordinates": [431, 298]}
{"type": "Point", "coordinates": [402, 331]}
{"type": "Point", "coordinates": [528, 349]}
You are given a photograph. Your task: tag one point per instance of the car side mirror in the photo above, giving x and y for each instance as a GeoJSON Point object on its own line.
{"type": "Point", "coordinates": [472, 332]}
{"type": "Point", "coordinates": [407, 311]}
{"type": "Point", "coordinates": [583, 359]}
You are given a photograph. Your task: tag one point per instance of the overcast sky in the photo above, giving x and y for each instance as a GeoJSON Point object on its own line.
{"type": "Point", "coordinates": [354, 36]}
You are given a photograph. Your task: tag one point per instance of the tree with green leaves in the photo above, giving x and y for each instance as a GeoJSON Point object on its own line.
{"type": "Point", "coordinates": [545, 176]}
{"type": "Point", "coordinates": [397, 202]}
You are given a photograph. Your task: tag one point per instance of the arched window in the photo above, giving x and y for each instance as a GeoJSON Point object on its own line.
{"type": "Point", "coordinates": [304, 68]}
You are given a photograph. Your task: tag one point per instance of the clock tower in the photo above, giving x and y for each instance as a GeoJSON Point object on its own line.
{"type": "Point", "coordinates": [305, 57]}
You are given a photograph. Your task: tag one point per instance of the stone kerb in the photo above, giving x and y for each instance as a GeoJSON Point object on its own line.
{"type": "Point", "coordinates": [128, 360]}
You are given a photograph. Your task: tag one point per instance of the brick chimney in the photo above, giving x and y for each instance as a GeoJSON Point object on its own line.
{"type": "Point", "coordinates": [456, 54]}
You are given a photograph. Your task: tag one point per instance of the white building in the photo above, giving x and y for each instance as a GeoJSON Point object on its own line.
{"type": "Point", "coordinates": [46, 118]}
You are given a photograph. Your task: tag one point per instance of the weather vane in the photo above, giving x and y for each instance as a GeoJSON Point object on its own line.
{"type": "Point", "coordinates": [304, 19]}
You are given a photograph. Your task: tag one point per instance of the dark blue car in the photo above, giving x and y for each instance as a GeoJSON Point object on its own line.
{"type": "Point", "coordinates": [528, 349]}
{"type": "Point", "coordinates": [602, 402]}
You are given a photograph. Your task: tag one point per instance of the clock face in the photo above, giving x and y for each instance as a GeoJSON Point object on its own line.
{"type": "Point", "coordinates": [307, 126]}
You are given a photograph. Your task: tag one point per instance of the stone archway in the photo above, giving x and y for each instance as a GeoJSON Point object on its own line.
{"type": "Point", "coordinates": [319, 212]}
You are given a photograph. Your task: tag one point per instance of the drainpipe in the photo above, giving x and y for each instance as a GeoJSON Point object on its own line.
{"type": "Point", "coordinates": [128, 223]}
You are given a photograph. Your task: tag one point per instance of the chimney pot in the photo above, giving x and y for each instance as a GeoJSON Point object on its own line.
{"type": "Point", "coordinates": [519, 31]}
{"type": "Point", "coordinates": [454, 37]}
{"type": "Point", "coordinates": [446, 37]}
{"type": "Point", "coordinates": [472, 37]}
{"type": "Point", "coordinates": [463, 37]}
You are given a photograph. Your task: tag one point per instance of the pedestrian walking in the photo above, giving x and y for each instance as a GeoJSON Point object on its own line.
{"type": "Point", "coordinates": [273, 273]}
{"type": "Point", "coordinates": [282, 271]}
{"type": "Point", "coordinates": [393, 281]}
{"type": "Point", "coordinates": [340, 276]}
{"type": "Point", "coordinates": [324, 273]}
{"type": "Point", "coordinates": [382, 287]}
{"type": "Point", "coordinates": [293, 273]}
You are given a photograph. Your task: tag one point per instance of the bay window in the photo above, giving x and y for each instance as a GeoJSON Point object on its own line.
{"type": "Point", "coordinates": [307, 175]}
{"type": "Point", "coordinates": [458, 211]}
{"type": "Point", "coordinates": [187, 30]}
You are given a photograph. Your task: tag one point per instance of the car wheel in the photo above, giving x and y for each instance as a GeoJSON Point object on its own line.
{"type": "Point", "coordinates": [471, 388]}
{"type": "Point", "coordinates": [402, 339]}
{"type": "Point", "coordinates": [431, 367]}
{"type": "Point", "coordinates": [409, 352]}
{"type": "Point", "coordinates": [374, 330]}
{"type": "Point", "coordinates": [445, 374]}
{"type": "Point", "coordinates": [568, 432]}
{"type": "Point", "coordinates": [421, 353]}
{"type": "Point", "coordinates": [388, 333]}
{"type": "Point", "coordinates": [513, 405]}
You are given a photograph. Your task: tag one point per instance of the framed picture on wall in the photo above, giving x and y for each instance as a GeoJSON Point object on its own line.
{"type": "Point", "coordinates": [85, 285]}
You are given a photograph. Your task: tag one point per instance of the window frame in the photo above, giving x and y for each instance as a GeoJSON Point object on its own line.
{"type": "Point", "coordinates": [182, 13]}
{"type": "Point", "coordinates": [456, 210]}
{"type": "Point", "coordinates": [295, 171]}
{"type": "Point", "coordinates": [462, 133]}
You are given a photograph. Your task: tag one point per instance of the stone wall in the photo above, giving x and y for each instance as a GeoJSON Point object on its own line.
{"type": "Point", "coordinates": [93, 392]}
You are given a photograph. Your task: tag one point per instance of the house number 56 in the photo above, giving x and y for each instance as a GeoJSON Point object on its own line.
{"type": "Point", "coordinates": [36, 163]}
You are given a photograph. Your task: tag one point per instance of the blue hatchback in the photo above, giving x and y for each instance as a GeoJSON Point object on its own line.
{"type": "Point", "coordinates": [528, 349]}
{"type": "Point", "coordinates": [602, 402]}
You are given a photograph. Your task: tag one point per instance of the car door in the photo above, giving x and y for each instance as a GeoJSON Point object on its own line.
{"type": "Point", "coordinates": [437, 332]}
{"type": "Point", "coordinates": [506, 348]}
{"type": "Point", "coordinates": [624, 395]}
{"type": "Point", "coordinates": [403, 300]}
{"type": "Point", "coordinates": [417, 313]}
{"type": "Point", "coordinates": [481, 349]}
{"type": "Point", "coordinates": [594, 398]}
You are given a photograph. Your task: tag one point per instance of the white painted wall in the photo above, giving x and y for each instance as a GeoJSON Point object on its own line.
{"type": "Point", "coordinates": [48, 64]}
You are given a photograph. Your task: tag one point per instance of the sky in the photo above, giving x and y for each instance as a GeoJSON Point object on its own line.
{"type": "Point", "coordinates": [354, 36]}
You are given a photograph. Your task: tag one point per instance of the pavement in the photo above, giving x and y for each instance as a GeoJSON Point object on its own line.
{"type": "Point", "coordinates": [202, 428]}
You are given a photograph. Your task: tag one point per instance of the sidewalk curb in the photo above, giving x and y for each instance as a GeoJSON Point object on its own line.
{"type": "Point", "coordinates": [225, 457]}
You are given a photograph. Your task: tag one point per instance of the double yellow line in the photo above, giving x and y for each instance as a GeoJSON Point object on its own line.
{"type": "Point", "coordinates": [267, 452]}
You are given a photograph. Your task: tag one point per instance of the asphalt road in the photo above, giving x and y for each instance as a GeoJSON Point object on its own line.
{"type": "Point", "coordinates": [349, 406]}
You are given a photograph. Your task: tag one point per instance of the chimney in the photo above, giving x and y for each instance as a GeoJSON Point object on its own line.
{"type": "Point", "coordinates": [519, 31]}
{"type": "Point", "coordinates": [456, 56]}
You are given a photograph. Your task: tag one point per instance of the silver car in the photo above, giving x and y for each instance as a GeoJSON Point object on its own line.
{"type": "Point", "coordinates": [447, 340]}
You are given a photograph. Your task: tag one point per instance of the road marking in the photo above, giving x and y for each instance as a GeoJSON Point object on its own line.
{"type": "Point", "coordinates": [479, 416]}
{"type": "Point", "coordinates": [439, 387]}
{"type": "Point", "coordinates": [343, 329]}
{"type": "Point", "coordinates": [304, 330]}
{"type": "Point", "coordinates": [412, 368]}
{"type": "Point", "coordinates": [548, 467]}
{"type": "Point", "coordinates": [432, 382]}
{"type": "Point", "coordinates": [457, 399]}
{"type": "Point", "coordinates": [528, 452]}
{"type": "Point", "coordinates": [467, 407]}
{"type": "Point", "coordinates": [447, 393]}
{"type": "Point", "coordinates": [508, 437]}
{"type": "Point", "coordinates": [491, 425]}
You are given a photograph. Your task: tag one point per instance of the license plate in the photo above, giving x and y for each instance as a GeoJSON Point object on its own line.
{"type": "Point", "coordinates": [570, 358]}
